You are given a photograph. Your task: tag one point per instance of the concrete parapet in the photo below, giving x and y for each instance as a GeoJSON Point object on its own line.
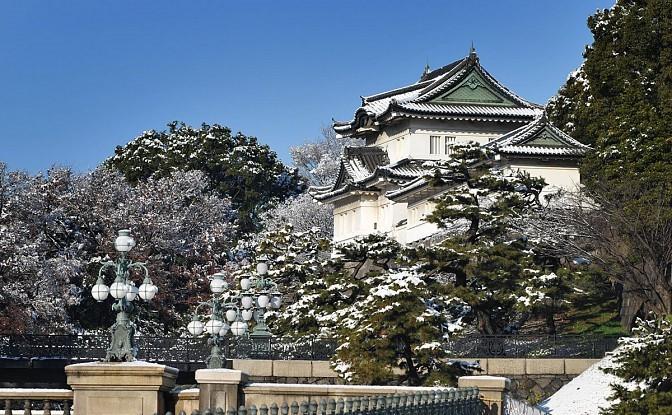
{"type": "Point", "coordinates": [127, 388]}
{"type": "Point", "coordinates": [292, 368]}
{"type": "Point", "coordinates": [506, 366]}
{"type": "Point", "coordinates": [544, 367]}
{"type": "Point", "coordinates": [220, 388]}
{"type": "Point", "coordinates": [491, 388]}
{"type": "Point", "coordinates": [186, 400]}
{"type": "Point", "coordinates": [254, 367]}
{"type": "Point", "coordinates": [577, 366]}
{"type": "Point", "coordinates": [322, 369]}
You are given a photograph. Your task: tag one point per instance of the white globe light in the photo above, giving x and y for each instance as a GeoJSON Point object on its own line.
{"type": "Point", "coordinates": [262, 268]}
{"type": "Point", "coordinates": [263, 300]}
{"type": "Point", "coordinates": [245, 284]}
{"type": "Point", "coordinates": [147, 290]}
{"type": "Point", "coordinates": [100, 291]}
{"type": "Point", "coordinates": [225, 329]}
{"type": "Point", "coordinates": [247, 314]}
{"type": "Point", "coordinates": [231, 315]}
{"type": "Point", "coordinates": [276, 301]}
{"type": "Point", "coordinates": [132, 292]}
{"type": "Point", "coordinates": [118, 289]}
{"type": "Point", "coordinates": [246, 301]}
{"type": "Point", "coordinates": [218, 285]}
{"type": "Point", "coordinates": [239, 328]}
{"type": "Point", "coordinates": [195, 327]}
{"type": "Point", "coordinates": [124, 241]}
{"type": "Point", "coordinates": [214, 325]}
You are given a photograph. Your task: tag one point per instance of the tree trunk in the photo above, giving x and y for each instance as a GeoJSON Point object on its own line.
{"type": "Point", "coordinates": [413, 375]}
{"type": "Point", "coordinates": [550, 322]}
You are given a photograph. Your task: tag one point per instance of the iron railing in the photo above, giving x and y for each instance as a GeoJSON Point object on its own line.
{"type": "Point", "coordinates": [161, 349]}
{"type": "Point", "coordinates": [187, 350]}
{"type": "Point", "coordinates": [531, 346]}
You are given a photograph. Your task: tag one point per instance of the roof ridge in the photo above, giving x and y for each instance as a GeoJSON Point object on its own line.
{"type": "Point", "coordinates": [521, 135]}
{"type": "Point", "coordinates": [386, 94]}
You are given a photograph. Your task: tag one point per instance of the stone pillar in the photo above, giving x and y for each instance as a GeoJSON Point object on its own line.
{"type": "Point", "coordinates": [220, 388]}
{"type": "Point", "coordinates": [492, 389]}
{"type": "Point", "coordinates": [125, 388]}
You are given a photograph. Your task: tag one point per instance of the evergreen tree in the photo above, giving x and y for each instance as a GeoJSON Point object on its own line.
{"type": "Point", "coordinates": [391, 322]}
{"type": "Point", "coordinates": [493, 267]}
{"type": "Point", "coordinates": [643, 361]}
{"type": "Point", "coordinates": [239, 168]}
{"type": "Point", "coordinates": [620, 101]}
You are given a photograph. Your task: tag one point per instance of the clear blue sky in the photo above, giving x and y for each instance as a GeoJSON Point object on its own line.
{"type": "Point", "coordinates": [78, 78]}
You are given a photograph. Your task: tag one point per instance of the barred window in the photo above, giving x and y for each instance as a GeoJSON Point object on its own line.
{"type": "Point", "coordinates": [434, 144]}
{"type": "Point", "coordinates": [449, 143]}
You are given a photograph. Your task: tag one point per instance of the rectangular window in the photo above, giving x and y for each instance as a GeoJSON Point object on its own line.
{"type": "Point", "coordinates": [449, 143]}
{"type": "Point", "coordinates": [434, 144]}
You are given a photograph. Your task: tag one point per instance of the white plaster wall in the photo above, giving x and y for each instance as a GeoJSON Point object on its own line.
{"type": "Point", "coordinates": [418, 227]}
{"type": "Point", "coordinates": [355, 215]}
{"type": "Point", "coordinates": [412, 140]}
{"type": "Point", "coordinates": [556, 177]}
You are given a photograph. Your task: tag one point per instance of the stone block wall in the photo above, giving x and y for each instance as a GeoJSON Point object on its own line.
{"type": "Point", "coordinates": [531, 379]}
{"type": "Point", "coordinates": [535, 379]}
{"type": "Point", "coordinates": [311, 372]}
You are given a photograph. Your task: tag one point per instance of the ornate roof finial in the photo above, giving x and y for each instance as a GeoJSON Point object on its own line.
{"type": "Point", "coordinates": [473, 57]}
{"type": "Point", "coordinates": [425, 71]}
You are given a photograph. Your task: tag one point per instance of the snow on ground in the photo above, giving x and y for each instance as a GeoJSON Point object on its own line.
{"type": "Point", "coordinates": [585, 394]}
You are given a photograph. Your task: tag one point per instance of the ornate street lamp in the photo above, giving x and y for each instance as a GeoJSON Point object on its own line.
{"type": "Point", "coordinates": [237, 309]}
{"type": "Point", "coordinates": [216, 326]}
{"type": "Point", "coordinates": [123, 289]}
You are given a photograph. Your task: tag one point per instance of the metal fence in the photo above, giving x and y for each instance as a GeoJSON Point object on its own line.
{"type": "Point", "coordinates": [194, 350]}
{"type": "Point", "coordinates": [532, 346]}
{"type": "Point", "coordinates": [161, 349]}
{"type": "Point", "coordinates": [437, 402]}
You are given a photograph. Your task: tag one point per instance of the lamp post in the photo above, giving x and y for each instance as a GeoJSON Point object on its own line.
{"type": "Point", "coordinates": [124, 291]}
{"type": "Point", "coordinates": [216, 326]}
{"type": "Point", "coordinates": [235, 310]}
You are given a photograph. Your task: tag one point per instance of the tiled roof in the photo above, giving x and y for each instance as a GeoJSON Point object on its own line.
{"type": "Point", "coordinates": [471, 109]}
{"type": "Point", "coordinates": [355, 175]}
{"type": "Point", "coordinates": [525, 141]}
{"type": "Point", "coordinates": [414, 100]}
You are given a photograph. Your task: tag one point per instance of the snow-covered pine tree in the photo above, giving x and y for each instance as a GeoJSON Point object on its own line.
{"type": "Point", "coordinates": [249, 174]}
{"type": "Point", "coordinates": [641, 361]}
{"type": "Point", "coordinates": [491, 265]}
{"type": "Point", "coordinates": [391, 322]}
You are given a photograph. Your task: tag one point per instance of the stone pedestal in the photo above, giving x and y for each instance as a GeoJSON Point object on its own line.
{"type": "Point", "coordinates": [492, 389]}
{"type": "Point", "coordinates": [128, 388]}
{"type": "Point", "coordinates": [220, 388]}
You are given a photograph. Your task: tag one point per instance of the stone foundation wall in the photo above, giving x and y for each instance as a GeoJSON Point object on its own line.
{"type": "Point", "coordinates": [536, 388]}
{"type": "Point", "coordinates": [535, 379]}
{"type": "Point", "coordinates": [297, 380]}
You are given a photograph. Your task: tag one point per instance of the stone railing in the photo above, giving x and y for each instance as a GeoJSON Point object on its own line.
{"type": "Point", "coordinates": [428, 401]}
{"type": "Point", "coordinates": [36, 401]}
{"type": "Point", "coordinates": [141, 388]}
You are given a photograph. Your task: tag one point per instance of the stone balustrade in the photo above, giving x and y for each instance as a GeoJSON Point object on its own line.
{"type": "Point", "coordinates": [50, 401]}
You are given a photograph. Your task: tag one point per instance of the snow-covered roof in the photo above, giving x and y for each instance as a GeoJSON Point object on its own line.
{"type": "Point", "coordinates": [462, 89]}
{"type": "Point", "coordinates": [362, 167]}
{"type": "Point", "coordinates": [538, 138]}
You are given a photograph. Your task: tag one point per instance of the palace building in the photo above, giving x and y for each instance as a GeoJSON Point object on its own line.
{"type": "Point", "coordinates": [382, 185]}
